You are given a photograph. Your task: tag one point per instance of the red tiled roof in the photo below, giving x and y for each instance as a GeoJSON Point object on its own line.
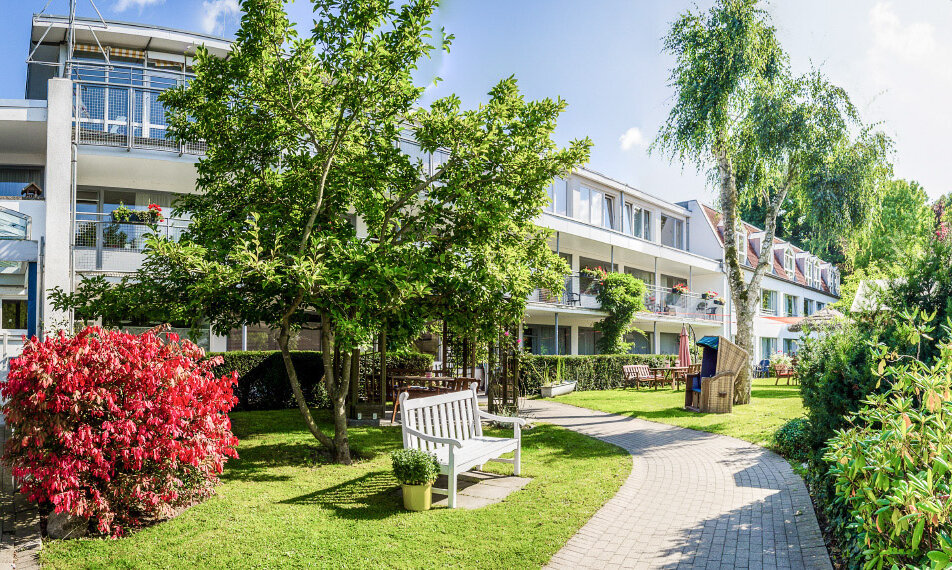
{"type": "Point", "coordinates": [753, 257]}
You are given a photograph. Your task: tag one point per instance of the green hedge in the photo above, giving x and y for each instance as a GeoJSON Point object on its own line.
{"type": "Point", "coordinates": [263, 382]}
{"type": "Point", "coordinates": [592, 372]}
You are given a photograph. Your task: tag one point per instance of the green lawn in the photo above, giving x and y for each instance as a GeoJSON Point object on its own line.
{"type": "Point", "coordinates": [282, 505]}
{"type": "Point", "coordinates": [769, 408]}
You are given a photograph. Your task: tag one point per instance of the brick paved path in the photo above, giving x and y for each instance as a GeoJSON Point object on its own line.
{"type": "Point", "coordinates": [693, 500]}
{"type": "Point", "coordinates": [19, 522]}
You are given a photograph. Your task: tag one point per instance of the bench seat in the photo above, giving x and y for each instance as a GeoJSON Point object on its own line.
{"type": "Point", "coordinates": [450, 427]}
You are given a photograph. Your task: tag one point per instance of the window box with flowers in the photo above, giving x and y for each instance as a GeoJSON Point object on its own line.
{"type": "Point", "coordinates": [680, 289]}
{"type": "Point", "coordinates": [151, 216]}
{"type": "Point", "coordinates": [709, 295]}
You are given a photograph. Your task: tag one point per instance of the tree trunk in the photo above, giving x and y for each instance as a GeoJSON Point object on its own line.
{"type": "Point", "coordinates": [337, 383]}
{"type": "Point", "coordinates": [283, 339]}
{"type": "Point", "coordinates": [745, 340]}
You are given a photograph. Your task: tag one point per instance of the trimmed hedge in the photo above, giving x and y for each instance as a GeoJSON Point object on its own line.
{"type": "Point", "coordinates": [591, 372]}
{"type": "Point", "coordinates": [263, 382]}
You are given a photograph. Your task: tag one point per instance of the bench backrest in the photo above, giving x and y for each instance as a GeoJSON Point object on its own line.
{"type": "Point", "coordinates": [454, 415]}
{"type": "Point", "coordinates": [636, 371]}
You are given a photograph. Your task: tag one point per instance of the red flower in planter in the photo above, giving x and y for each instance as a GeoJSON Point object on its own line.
{"type": "Point", "coordinates": [113, 426]}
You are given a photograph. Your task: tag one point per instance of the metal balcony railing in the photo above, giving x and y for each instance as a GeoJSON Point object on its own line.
{"type": "Point", "coordinates": [118, 106]}
{"type": "Point", "coordinates": [102, 244]}
{"type": "Point", "coordinates": [582, 292]}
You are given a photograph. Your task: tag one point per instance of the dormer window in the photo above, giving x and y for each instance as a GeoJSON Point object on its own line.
{"type": "Point", "coordinates": [741, 248]}
{"type": "Point", "coordinates": [788, 263]}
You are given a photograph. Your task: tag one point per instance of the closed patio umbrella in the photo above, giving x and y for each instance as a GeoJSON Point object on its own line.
{"type": "Point", "coordinates": [684, 352]}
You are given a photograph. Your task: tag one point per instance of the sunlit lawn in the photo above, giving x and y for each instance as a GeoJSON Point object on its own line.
{"type": "Point", "coordinates": [756, 422]}
{"type": "Point", "coordinates": [281, 505]}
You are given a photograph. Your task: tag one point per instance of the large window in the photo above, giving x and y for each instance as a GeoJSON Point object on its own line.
{"type": "Point", "coordinates": [768, 346]}
{"type": "Point", "coordinates": [640, 343]}
{"type": "Point", "coordinates": [558, 197]}
{"type": "Point", "coordinates": [808, 305]}
{"type": "Point", "coordinates": [637, 221]}
{"type": "Point", "coordinates": [590, 206]}
{"type": "Point", "coordinates": [13, 313]}
{"type": "Point", "coordinates": [672, 232]}
{"type": "Point", "coordinates": [587, 337]}
{"type": "Point", "coordinates": [768, 302]}
{"type": "Point", "coordinates": [790, 345]}
{"type": "Point", "coordinates": [608, 212]}
{"type": "Point", "coordinates": [540, 339]}
{"type": "Point", "coordinates": [790, 306]}
{"type": "Point", "coordinates": [741, 248]}
{"type": "Point", "coordinates": [668, 343]}
{"type": "Point", "coordinates": [788, 264]}
{"type": "Point", "coordinates": [644, 275]}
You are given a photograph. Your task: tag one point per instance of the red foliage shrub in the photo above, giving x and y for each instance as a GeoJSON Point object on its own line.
{"type": "Point", "coordinates": [117, 427]}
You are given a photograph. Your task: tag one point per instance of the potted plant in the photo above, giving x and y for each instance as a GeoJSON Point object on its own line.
{"type": "Point", "coordinates": [719, 301]}
{"type": "Point", "coordinates": [416, 470]}
{"type": "Point", "coordinates": [680, 289]}
{"type": "Point", "coordinates": [556, 386]}
{"type": "Point", "coordinates": [124, 214]}
{"type": "Point", "coordinates": [711, 295]}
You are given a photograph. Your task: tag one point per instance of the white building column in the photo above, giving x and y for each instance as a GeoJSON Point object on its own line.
{"type": "Point", "coordinates": [573, 337]}
{"type": "Point", "coordinates": [57, 267]}
{"type": "Point", "coordinates": [216, 342]}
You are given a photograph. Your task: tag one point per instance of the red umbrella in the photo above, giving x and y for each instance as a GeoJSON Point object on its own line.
{"type": "Point", "coordinates": [684, 352]}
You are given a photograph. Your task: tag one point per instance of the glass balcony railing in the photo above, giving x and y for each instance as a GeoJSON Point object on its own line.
{"type": "Point", "coordinates": [582, 292]}
{"type": "Point", "coordinates": [119, 106]}
{"type": "Point", "coordinates": [102, 244]}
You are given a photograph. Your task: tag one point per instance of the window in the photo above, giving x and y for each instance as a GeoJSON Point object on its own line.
{"type": "Point", "coordinates": [626, 221]}
{"type": "Point", "coordinates": [668, 343]}
{"type": "Point", "coordinates": [590, 206]}
{"type": "Point", "coordinates": [13, 313]}
{"type": "Point", "coordinates": [741, 248]}
{"type": "Point", "coordinates": [788, 264]}
{"type": "Point", "coordinates": [640, 343]}
{"type": "Point", "coordinates": [587, 337]}
{"type": "Point", "coordinates": [672, 232]}
{"type": "Point", "coordinates": [13, 179]}
{"type": "Point", "coordinates": [647, 226]}
{"type": "Point", "coordinates": [819, 306]}
{"type": "Point", "coordinates": [768, 302]}
{"type": "Point", "coordinates": [540, 339]}
{"type": "Point", "coordinates": [834, 280]}
{"type": "Point", "coordinates": [645, 276]}
{"type": "Point", "coordinates": [790, 345]}
{"type": "Point", "coordinates": [608, 212]}
{"type": "Point", "coordinates": [790, 306]}
{"type": "Point", "coordinates": [557, 197]}
{"type": "Point", "coordinates": [637, 221]}
{"type": "Point", "coordinates": [807, 307]}
{"type": "Point", "coordinates": [768, 346]}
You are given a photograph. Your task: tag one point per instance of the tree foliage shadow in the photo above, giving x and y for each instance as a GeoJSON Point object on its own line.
{"type": "Point", "coordinates": [373, 495]}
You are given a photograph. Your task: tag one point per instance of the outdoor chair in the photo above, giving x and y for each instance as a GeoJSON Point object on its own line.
{"type": "Point", "coordinates": [712, 390]}
{"type": "Point", "coordinates": [762, 369]}
{"type": "Point", "coordinates": [638, 374]}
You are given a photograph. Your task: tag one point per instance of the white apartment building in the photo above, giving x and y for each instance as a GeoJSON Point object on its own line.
{"type": "Point", "coordinates": [90, 136]}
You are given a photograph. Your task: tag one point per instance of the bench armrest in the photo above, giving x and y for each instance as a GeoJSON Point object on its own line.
{"type": "Point", "coordinates": [444, 440]}
{"type": "Point", "coordinates": [502, 419]}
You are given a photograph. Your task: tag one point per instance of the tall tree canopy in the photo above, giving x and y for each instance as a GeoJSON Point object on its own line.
{"type": "Point", "coordinates": [764, 135]}
{"type": "Point", "coordinates": [319, 204]}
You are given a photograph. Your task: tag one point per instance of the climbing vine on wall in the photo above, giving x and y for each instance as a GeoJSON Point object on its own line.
{"type": "Point", "coordinates": [622, 296]}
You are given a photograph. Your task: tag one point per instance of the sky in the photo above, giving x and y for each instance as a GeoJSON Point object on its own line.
{"type": "Point", "coordinates": [604, 57]}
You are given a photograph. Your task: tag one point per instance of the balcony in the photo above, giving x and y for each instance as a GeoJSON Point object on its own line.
{"type": "Point", "coordinates": [118, 106]}
{"type": "Point", "coordinates": [103, 245]}
{"type": "Point", "coordinates": [660, 302]}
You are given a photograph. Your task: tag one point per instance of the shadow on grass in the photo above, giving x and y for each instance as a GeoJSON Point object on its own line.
{"type": "Point", "coordinates": [371, 496]}
{"type": "Point", "coordinates": [776, 393]}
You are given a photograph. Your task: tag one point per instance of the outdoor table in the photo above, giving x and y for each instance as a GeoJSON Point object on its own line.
{"type": "Point", "coordinates": [673, 374]}
{"type": "Point", "coordinates": [418, 387]}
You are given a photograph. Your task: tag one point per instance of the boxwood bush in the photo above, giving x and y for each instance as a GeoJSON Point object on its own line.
{"type": "Point", "coordinates": [592, 372]}
{"type": "Point", "coordinates": [792, 439]}
{"type": "Point", "coordinates": [263, 381]}
{"type": "Point", "coordinates": [414, 466]}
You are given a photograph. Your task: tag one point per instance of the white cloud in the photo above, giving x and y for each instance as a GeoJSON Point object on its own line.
{"type": "Point", "coordinates": [631, 138]}
{"type": "Point", "coordinates": [123, 5]}
{"type": "Point", "coordinates": [910, 41]}
{"type": "Point", "coordinates": [216, 12]}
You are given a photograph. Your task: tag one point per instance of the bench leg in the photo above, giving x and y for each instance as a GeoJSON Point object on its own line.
{"type": "Point", "coordinates": [451, 490]}
{"type": "Point", "coordinates": [517, 461]}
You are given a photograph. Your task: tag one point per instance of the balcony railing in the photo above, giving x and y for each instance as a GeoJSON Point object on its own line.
{"type": "Point", "coordinates": [101, 244]}
{"type": "Point", "coordinates": [581, 292]}
{"type": "Point", "coordinates": [118, 106]}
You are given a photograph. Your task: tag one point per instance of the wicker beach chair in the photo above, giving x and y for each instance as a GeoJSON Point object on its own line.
{"type": "Point", "coordinates": [712, 390]}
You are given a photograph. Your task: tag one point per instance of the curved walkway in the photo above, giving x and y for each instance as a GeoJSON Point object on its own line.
{"type": "Point", "coordinates": [693, 500]}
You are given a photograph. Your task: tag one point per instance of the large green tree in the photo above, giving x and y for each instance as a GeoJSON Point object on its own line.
{"type": "Point", "coordinates": [763, 134]}
{"type": "Point", "coordinates": [328, 198]}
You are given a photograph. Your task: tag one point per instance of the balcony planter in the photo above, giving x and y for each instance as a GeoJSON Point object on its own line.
{"type": "Point", "coordinates": [124, 215]}
{"type": "Point", "coordinates": [558, 389]}
{"type": "Point", "coordinates": [719, 301]}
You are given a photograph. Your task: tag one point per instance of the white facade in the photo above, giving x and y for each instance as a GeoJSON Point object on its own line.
{"type": "Point", "coordinates": [92, 134]}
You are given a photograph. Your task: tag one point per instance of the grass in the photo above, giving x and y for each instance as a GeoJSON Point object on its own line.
{"type": "Point", "coordinates": [770, 407]}
{"type": "Point", "coordinates": [282, 504]}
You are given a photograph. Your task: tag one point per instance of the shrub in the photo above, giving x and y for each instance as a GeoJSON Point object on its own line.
{"type": "Point", "coordinates": [780, 360]}
{"type": "Point", "coordinates": [622, 296]}
{"type": "Point", "coordinates": [592, 372]}
{"type": "Point", "coordinates": [116, 427]}
{"type": "Point", "coordinates": [414, 466]}
{"type": "Point", "coordinates": [792, 439]}
{"type": "Point", "coordinates": [263, 381]}
{"type": "Point", "coordinates": [892, 469]}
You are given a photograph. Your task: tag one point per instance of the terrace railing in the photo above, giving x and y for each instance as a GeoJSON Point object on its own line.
{"type": "Point", "coordinates": [102, 244]}
{"type": "Point", "coordinates": [581, 292]}
{"type": "Point", "coordinates": [118, 106]}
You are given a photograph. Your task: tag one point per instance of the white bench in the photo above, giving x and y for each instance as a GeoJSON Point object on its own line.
{"type": "Point", "coordinates": [448, 425]}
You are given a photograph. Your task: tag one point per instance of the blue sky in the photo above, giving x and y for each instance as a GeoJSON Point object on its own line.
{"type": "Point", "coordinates": [604, 57]}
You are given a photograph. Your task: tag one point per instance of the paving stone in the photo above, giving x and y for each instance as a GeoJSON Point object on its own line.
{"type": "Point", "coordinates": [693, 500]}
{"type": "Point", "coordinates": [20, 540]}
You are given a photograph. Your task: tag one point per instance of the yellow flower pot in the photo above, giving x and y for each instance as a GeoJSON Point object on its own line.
{"type": "Point", "coordinates": [418, 497]}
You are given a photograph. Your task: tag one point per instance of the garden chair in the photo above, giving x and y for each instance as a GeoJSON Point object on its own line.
{"type": "Point", "coordinates": [638, 374]}
{"type": "Point", "coordinates": [712, 389]}
{"type": "Point", "coordinates": [762, 369]}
